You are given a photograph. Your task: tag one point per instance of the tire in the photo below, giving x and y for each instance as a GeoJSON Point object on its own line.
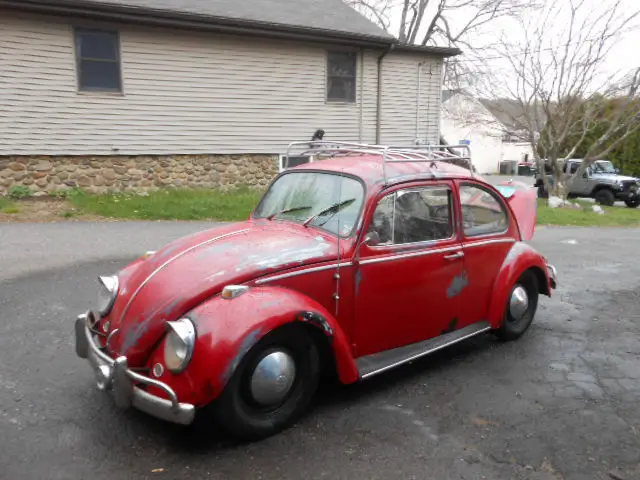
{"type": "Point", "coordinates": [633, 203]}
{"type": "Point", "coordinates": [240, 415]}
{"type": "Point", "coordinates": [513, 328]}
{"type": "Point", "coordinates": [605, 197]}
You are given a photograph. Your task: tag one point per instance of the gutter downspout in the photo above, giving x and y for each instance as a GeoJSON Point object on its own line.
{"type": "Point", "coordinates": [418, 94]}
{"type": "Point", "coordinates": [379, 98]}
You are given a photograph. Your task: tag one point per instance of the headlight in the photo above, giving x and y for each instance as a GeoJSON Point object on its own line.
{"type": "Point", "coordinates": [179, 344]}
{"type": "Point", "coordinates": [107, 294]}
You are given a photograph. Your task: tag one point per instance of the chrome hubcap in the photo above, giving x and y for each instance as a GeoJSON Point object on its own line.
{"type": "Point", "coordinates": [519, 303]}
{"type": "Point", "coordinates": [273, 378]}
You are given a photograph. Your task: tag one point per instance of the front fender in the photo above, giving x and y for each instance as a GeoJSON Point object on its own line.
{"type": "Point", "coordinates": [228, 329]}
{"type": "Point", "coordinates": [521, 257]}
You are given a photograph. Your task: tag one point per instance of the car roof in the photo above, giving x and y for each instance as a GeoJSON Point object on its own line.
{"type": "Point", "coordinates": [374, 170]}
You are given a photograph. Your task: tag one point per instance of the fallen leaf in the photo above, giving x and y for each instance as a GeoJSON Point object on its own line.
{"type": "Point", "coordinates": [482, 422]}
{"type": "Point", "coordinates": [157, 470]}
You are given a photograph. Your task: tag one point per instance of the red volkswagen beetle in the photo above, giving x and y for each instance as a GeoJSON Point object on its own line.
{"type": "Point", "coordinates": [353, 265]}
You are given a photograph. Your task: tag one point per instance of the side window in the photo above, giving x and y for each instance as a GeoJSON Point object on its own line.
{"type": "Point", "coordinates": [574, 167]}
{"type": "Point", "coordinates": [412, 216]}
{"type": "Point", "coordinates": [482, 212]}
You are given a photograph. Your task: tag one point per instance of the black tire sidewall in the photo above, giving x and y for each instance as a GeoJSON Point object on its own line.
{"type": "Point", "coordinates": [632, 203]}
{"type": "Point", "coordinates": [234, 414]}
{"type": "Point", "coordinates": [605, 197]}
{"type": "Point", "coordinates": [510, 330]}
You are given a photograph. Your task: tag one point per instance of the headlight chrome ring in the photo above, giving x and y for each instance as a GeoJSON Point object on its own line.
{"type": "Point", "coordinates": [179, 344]}
{"type": "Point", "coordinates": [108, 293]}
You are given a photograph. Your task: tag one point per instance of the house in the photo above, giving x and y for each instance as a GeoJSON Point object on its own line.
{"type": "Point", "coordinates": [113, 95]}
{"type": "Point", "coordinates": [466, 119]}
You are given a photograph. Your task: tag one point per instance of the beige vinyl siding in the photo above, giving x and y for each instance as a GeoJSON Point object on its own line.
{"type": "Point", "coordinates": [190, 93]}
{"type": "Point", "coordinates": [400, 99]}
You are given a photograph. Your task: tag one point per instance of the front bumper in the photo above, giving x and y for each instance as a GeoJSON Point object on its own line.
{"type": "Point", "coordinates": [553, 276]}
{"type": "Point", "coordinates": [628, 195]}
{"type": "Point", "coordinates": [115, 376]}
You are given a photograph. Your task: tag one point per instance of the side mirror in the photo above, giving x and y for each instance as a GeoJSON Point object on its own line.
{"type": "Point", "coordinates": [372, 239]}
{"type": "Point", "coordinates": [617, 170]}
{"type": "Point", "coordinates": [585, 174]}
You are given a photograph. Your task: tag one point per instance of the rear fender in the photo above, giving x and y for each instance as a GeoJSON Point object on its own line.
{"type": "Point", "coordinates": [228, 329]}
{"type": "Point", "coordinates": [521, 257]}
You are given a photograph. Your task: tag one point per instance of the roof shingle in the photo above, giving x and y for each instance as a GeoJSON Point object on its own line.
{"type": "Point", "coordinates": [312, 15]}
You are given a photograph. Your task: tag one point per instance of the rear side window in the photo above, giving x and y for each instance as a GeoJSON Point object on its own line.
{"type": "Point", "coordinates": [483, 212]}
{"type": "Point", "coordinates": [413, 216]}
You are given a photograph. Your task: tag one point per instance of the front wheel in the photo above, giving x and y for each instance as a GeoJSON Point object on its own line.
{"type": "Point", "coordinates": [520, 309]}
{"type": "Point", "coordinates": [605, 197]}
{"type": "Point", "coordinates": [271, 387]}
{"type": "Point", "coordinates": [632, 203]}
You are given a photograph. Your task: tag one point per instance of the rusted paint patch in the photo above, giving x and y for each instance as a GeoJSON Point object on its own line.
{"type": "Point", "coordinates": [358, 281]}
{"type": "Point", "coordinates": [316, 320]}
{"type": "Point", "coordinates": [249, 341]}
{"type": "Point", "coordinates": [452, 326]}
{"type": "Point", "coordinates": [458, 285]}
{"type": "Point", "coordinates": [134, 334]}
{"type": "Point", "coordinates": [284, 256]}
{"type": "Point", "coordinates": [518, 249]}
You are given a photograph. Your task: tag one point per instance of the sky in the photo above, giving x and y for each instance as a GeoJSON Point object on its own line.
{"type": "Point", "coordinates": [620, 61]}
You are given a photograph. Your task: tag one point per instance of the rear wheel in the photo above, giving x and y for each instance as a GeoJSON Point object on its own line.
{"type": "Point", "coordinates": [521, 308]}
{"type": "Point", "coordinates": [605, 197]}
{"type": "Point", "coordinates": [271, 387]}
{"type": "Point", "coordinates": [633, 203]}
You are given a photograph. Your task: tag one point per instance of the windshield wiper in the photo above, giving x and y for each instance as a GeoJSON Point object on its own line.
{"type": "Point", "coordinates": [335, 208]}
{"type": "Point", "coordinates": [288, 210]}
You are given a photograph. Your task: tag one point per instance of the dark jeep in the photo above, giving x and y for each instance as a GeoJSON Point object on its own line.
{"type": "Point", "coordinates": [601, 181]}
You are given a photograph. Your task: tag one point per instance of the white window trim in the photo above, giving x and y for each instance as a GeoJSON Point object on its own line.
{"type": "Point", "coordinates": [281, 158]}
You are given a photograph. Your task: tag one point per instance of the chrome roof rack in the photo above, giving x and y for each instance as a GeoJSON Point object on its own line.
{"type": "Point", "coordinates": [389, 153]}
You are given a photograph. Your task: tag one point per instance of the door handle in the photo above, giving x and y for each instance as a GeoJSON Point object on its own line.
{"type": "Point", "coordinates": [454, 256]}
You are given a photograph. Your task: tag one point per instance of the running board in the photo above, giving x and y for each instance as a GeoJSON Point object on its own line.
{"type": "Point", "coordinates": [379, 362]}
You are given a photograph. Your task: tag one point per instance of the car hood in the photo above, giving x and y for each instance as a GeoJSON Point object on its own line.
{"type": "Point", "coordinates": [613, 178]}
{"type": "Point", "coordinates": [192, 269]}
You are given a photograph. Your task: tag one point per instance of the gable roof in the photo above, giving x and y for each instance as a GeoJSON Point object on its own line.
{"type": "Point", "coordinates": [321, 17]}
{"type": "Point", "coordinates": [323, 20]}
{"type": "Point", "coordinates": [448, 94]}
{"type": "Point", "coordinates": [511, 113]}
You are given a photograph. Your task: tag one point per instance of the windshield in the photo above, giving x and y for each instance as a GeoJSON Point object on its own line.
{"type": "Point", "coordinates": [603, 166]}
{"type": "Point", "coordinates": [327, 200]}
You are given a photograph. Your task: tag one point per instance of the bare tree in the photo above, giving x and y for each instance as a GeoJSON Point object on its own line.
{"type": "Point", "coordinates": [557, 78]}
{"type": "Point", "coordinates": [442, 22]}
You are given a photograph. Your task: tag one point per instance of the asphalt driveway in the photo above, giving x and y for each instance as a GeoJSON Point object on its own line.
{"type": "Point", "coordinates": [561, 403]}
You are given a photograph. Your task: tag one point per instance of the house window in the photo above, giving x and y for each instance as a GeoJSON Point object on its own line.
{"type": "Point", "coordinates": [98, 61]}
{"type": "Point", "coordinates": [341, 77]}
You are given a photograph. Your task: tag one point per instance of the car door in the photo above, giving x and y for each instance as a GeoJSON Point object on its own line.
{"type": "Point", "coordinates": [488, 233]}
{"type": "Point", "coordinates": [581, 182]}
{"type": "Point", "coordinates": [406, 275]}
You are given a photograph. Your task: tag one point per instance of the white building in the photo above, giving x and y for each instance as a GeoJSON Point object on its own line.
{"type": "Point", "coordinates": [465, 119]}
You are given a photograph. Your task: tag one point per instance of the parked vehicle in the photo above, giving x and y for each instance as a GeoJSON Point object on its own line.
{"type": "Point", "coordinates": [351, 266]}
{"type": "Point", "coordinates": [601, 181]}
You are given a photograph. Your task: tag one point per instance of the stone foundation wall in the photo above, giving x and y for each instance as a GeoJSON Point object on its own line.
{"type": "Point", "coordinates": [119, 173]}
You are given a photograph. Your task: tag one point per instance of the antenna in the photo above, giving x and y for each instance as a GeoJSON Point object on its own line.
{"type": "Point", "coordinates": [336, 296]}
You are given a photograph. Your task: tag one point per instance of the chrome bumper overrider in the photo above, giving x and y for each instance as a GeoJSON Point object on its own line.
{"type": "Point", "coordinates": [114, 375]}
{"type": "Point", "coordinates": [553, 275]}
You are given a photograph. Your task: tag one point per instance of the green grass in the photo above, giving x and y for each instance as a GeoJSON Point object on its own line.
{"type": "Point", "coordinates": [586, 217]}
{"type": "Point", "coordinates": [7, 206]}
{"type": "Point", "coordinates": [171, 204]}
